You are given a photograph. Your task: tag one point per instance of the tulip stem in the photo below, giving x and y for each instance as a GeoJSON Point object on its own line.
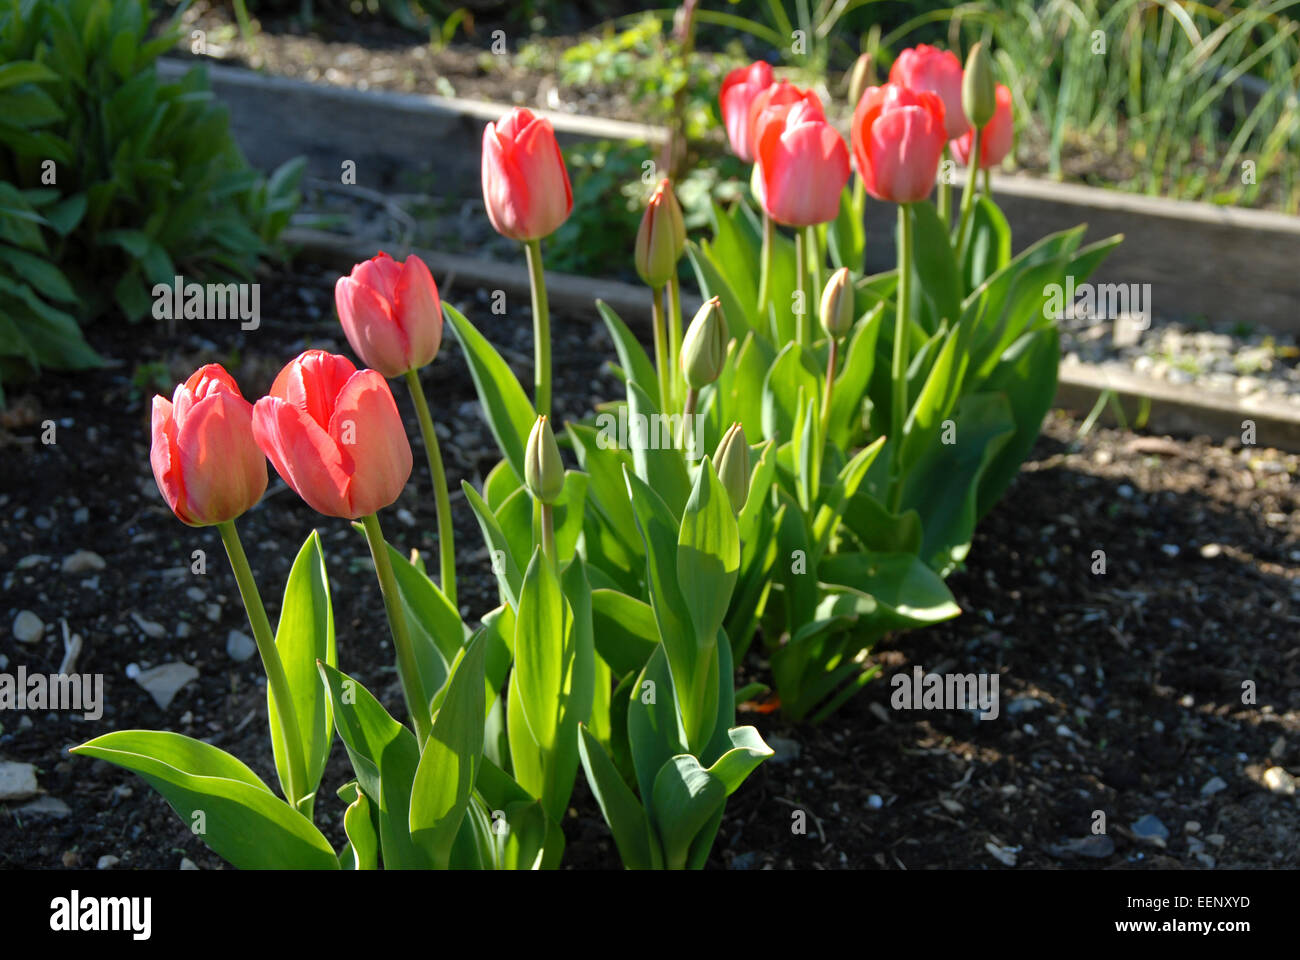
{"type": "Point", "coordinates": [765, 271]}
{"type": "Point", "coordinates": [814, 251]}
{"type": "Point", "coordinates": [688, 413]}
{"type": "Point", "coordinates": [898, 369]}
{"type": "Point", "coordinates": [548, 535]}
{"type": "Point", "coordinates": [290, 735]}
{"type": "Point", "coordinates": [968, 197]}
{"type": "Point", "coordinates": [408, 669]}
{"type": "Point", "coordinates": [661, 349]}
{"type": "Point", "coordinates": [446, 533]}
{"type": "Point", "coordinates": [541, 330]}
{"type": "Point", "coordinates": [945, 189]}
{"type": "Point", "coordinates": [675, 333]}
{"type": "Point", "coordinates": [831, 361]}
{"type": "Point", "coordinates": [988, 183]}
{"type": "Point", "coordinates": [801, 285]}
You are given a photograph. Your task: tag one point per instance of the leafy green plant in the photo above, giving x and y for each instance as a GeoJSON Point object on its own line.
{"type": "Point", "coordinates": [110, 179]}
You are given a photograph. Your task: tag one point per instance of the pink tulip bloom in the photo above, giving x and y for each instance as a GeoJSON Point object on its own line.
{"type": "Point", "coordinates": [898, 138]}
{"type": "Point", "coordinates": [995, 138]}
{"type": "Point", "coordinates": [391, 313]}
{"type": "Point", "coordinates": [525, 184]}
{"type": "Point", "coordinates": [207, 466]}
{"type": "Point", "coordinates": [925, 68]}
{"type": "Point", "coordinates": [333, 433]}
{"type": "Point", "coordinates": [802, 167]}
{"type": "Point", "coordinates": [739, 89]}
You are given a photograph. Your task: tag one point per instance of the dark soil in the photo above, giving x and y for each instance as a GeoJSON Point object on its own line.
{"type": "Point", "coordinates": [1120, 693]}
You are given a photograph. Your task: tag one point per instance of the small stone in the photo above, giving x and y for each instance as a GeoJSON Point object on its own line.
{"type": "Point", "coordinates": [28, 627]}
{"type": "Point", "coordinates": [1216, 839]}
{"type": "Point", "coordinates": [1278, 748]}
{"type": "Point", "coordinates": [1206, 860]}
{"type": "Point", "coordinates": [1192, 826]}
{"type": "Point", "coordinates": [132, 671]}
{"type": "Point", "coordinates": [150, 628]}
{"type": "Point", "coordinates": [81, 515]}
{"type": "Point", "coordinates": [785, 749]}
{"type": "Point", "coordinates": [195, 594]}
{"type": "Point", "coordinates": [1279, 781]}
{"type": "Point", "coordinates": [879, 712]}
{"type": "Point", "coordinates": [1096, 846]}
{"type": "Point", "coordinates": [1023, 705]}
{"type": "Point", "coordinates": [1149, 827]}
{"type": "Point", "coordinates": [874, 802]}
{"type": "Point", "coordinates": [83, 561]}
{"type": "Point", "coordinates": [1213, 786]}
{"type": "Point", "coordinates": [406, 517]}
{"type": "Point", "coordinates": [71, 858]}
{"type": "Point", "coordinates": [1004, 855]}
{"type": "Point", "coordinates": [240, 646]}
{"type": "Point", "coordinates": [45, 807]}
{"type": "Point", "coordinates": [31, 560]}
{"type": "Point", "coordinates": [188, 864]}
{"type": "Point", "coordinates": [107, 862]}
{"type": "Point", "coordinates": [17, 781]}
{"type": "Point", "coordinates": [164, 682]}
{"type": "Point", "coordinates": [1211, 550]}
{"type": "Point", "coordinates": [212, 611]}
{"type": "Point", "coordinates": [182, 630]}
{"type": "Point", "coordinates": [1169, 549]}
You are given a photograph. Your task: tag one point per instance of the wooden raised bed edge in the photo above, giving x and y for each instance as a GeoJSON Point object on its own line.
{"type": "Point", "coordinates": [1176, 409]}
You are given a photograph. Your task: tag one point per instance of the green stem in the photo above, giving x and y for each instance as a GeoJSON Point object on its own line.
{"type": "Point", "coordinates": [801, 281]}
{"type": "Point", "coordinates": [541, 330]}
{"type": "Point", "coordinates": [661, 349]}
{"type": "Point", "coordinates": [898, 369]}
{"type": "Point", "coordinates": [291, 736]}
{"type": "Point", "coordinates": [408, 669]}
{"type": "Point", "coordinates": [945, 190]}
{"type": "Point", "coordinates": [688, 411]}
{"type": "Point", "coordinates": [988, 183]}
{"type": "Point", "coordinates": [675, 334]}
{"type": "Point", "coordinates": [446, 533]}
{"type": "Point", "coordinates": [831, 362]}
{"type": "Point", "coordinates": [764, 292]}
{"type": "Point", "coordinates": [968, 197]}
{"type": "Point", "coordinates": [813, 250]}
{"type": "Point", "coordinates": [548, 535]}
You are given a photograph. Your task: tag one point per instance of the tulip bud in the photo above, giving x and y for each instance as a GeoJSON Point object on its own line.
{"type": "Point", "coordinates": [704, 348]}
{"type": "Point", "coordinates": [863, 75]}
{"type": "Point", "coordinates": [732, 463]}
{"type": "Point", "coordinates": [837, 306]}
{"type": "Point", "coordinates": [543, 469]}
{"type": "Point", "coordinates": [978, 91]}
{"type": "Point", "coordinates": [661, 240]}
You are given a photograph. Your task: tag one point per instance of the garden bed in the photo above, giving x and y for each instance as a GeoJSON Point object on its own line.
{"type": "Point", "coordinates": [1119, 693]}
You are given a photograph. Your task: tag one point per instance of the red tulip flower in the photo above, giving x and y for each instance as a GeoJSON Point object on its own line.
{"type": "Point", "coordinates": [772, 105]}
{"type": "Point", "coordinates": [207, 466]}
{"type": "Point", "coordinates": [995, 138]}
{"type": "Point", "coordinates": [802, 166]}
{"type": "Point", "coordinates": [333, 433]}
{"type": "Point", "coordinates": [739, 88]}
{"type": "Point", "coordinates": [391, 313]}
{"type": "Point", "coordinates": [525, 184]}
{"type": "Point", "coordinates": [898, 138]}
{"type": "Point", "coordinates": [925, 68]}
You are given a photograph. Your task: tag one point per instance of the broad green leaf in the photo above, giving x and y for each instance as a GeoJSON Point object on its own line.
{"type": "Point", "coordinates": [305, 635]}
{"type": "Point", "coordinates": [685, 798]}
{"type": "Point", "coordinates": [990, 243]}
{"type": "Point", "coordinates": [935, 269]}
{"type": "Point", "coordinates": [849, 393]}
{"type": "Point", "coordinates": [794, 370]}
{"type": "Point", "coordinates": [708, 563]}
{"type": "Point", "coordinates": [450, 759]}
{"type": "Point", "coordinates": [542, 631]}
{"type": "Point", "coordinates": [748, 751]}
{"type": "Point", "coordinates": [503, 562]}
{"type": "Point", "coordinates": [363, 842]}
{"type": "Point", "coordinates": [653, 726]}
{"type": "Point", "coordinates": [631, 355]}
{"type": "Point", "coordinates": [712, 279]}
{"type": "Point", "coordinates": [242, 821]}
{"type": "Point", "coordinates": [510, 415]}
{"type": "Point", "coordinates": [625, 630]}
{"type": "Point", "coordinates": [626, 817]}
{"type": "Point", "coordinates": [656, 453]}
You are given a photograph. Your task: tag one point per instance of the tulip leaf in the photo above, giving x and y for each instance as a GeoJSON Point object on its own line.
{"type": "Point", "coordinates": [625, 630]}
{"type": "Point", "coordinates": [685, 798]}
{"type": "Point", "coordinates": [435, 622]}
{"type": "Point", "coordinates": [626, 817]}
{"type": "Point", "coordinates": [305, 634]}
{"type": "Point", "coordinates": [715, 281]}
{"type": "Point", "coordinates": [542, 632]}
{"type": "Point", "coordinates": [747, 752]}
{"type": "Point", "coordinates": [741, 383]}
{"type": "Point", "coordinates": [603, 461]}
{"type": "Point", "coordinates": [242, 821]}
{"type": "Point", "coordinates": [708, 555]}
{"type": "Point", "coordinates": [631, 355]}
{"type": "Point", "coordinates": [653, 725]}
{"type": "Point", "coordinates": [503, 561]}
{"type": "Point", "coordinates": [848, 395]}
{"type": "Point", "coordinates": [879, 531]}
{"type": "Point", "coordinates": [934, 267]}
{"type": "Point", "coordinates": [450, 759]}
{"type": "Point", "coordinates": [907, 593]}
{"type": "Point", "coordinates": [363, 842]}
{"type": "Point", "coordinates": [794, 370]}
{"type": "Point", "coordinates": [938, 397]}
{"type": "Point", "coordinates": [656, 453]}
{"type": "Point", "coordinates": [384, 756]}
{"type": "Point", "coordinates": [509, 414]}
{"type": "Point", "coordinates": [990, 243]}
{"type": "Point", "coordinates": [837, 495]}
{"type": "Point", "coordinates": [499, 484]}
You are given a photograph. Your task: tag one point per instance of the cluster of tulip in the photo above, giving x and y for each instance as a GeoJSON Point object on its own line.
{"type": "Point", "coordinates": [629, 587]}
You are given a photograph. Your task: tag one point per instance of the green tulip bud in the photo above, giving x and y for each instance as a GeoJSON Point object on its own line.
{"type": "Point", "coordinates": [862, 75]}
{"type": "Point", "coordinates": [543, 469]}
{"type": "Point", "coordinates": [978, 91]}
{"type": "Point", "coordinates": [731, 460]}
{"type": "Point", "coordinates": [704, 348]}
{"type": "Point", "coordinates": [837, 307]}
{"type": "Point", "coordinates": [661, 239]}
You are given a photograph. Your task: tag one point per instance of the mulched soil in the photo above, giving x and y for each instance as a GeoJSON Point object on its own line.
{"type": "Point", "coordinates": [1120, 693]}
